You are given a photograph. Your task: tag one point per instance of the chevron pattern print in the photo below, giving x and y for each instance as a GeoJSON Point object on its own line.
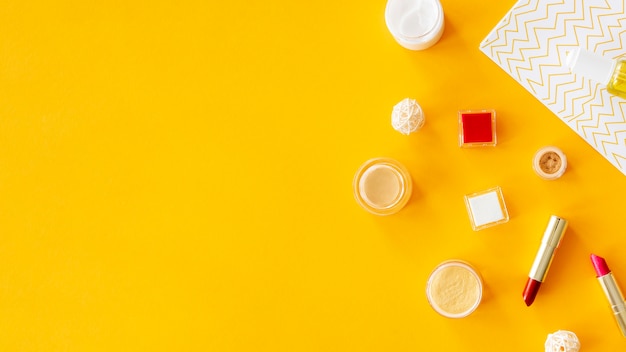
{"type": "Point", "coordinates": [531, 43]}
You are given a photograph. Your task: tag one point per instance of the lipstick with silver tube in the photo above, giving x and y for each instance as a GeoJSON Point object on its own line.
{"type": "Point", "coordinates": [550, 242]}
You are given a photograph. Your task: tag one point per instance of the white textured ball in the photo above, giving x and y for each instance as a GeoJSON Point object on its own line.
{"type": "Point", "coordinates": [562, 341]}
{"type": "Point", "coordinates": [407, 116]}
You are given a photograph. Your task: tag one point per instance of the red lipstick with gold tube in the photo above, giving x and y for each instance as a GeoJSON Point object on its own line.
{"type": "Point", "coordinates": [549, 243]}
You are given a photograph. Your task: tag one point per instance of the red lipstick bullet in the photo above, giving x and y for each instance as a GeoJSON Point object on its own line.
{"type": "Point", "coordinates": [530, 291]}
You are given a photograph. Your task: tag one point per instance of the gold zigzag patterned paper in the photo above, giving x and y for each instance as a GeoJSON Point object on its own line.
{"type": "Point", "coordinates": [531, 42]}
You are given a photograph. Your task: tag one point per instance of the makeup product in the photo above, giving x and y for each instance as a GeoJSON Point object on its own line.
{"type": "Point", "coordinates": [603, 70]}
{"type": "Point", "coordinates": [407, 116]}
{"type": "Point", "coordinates": [454, 289]}
{"type": "Point", "coordinates": [562, 341]}
{"type": "Point", "coordinates": [382, 186]}
{"type": "Point", "coordinates": [415, 24]}
{"type": "Point", "coordinates": [549, 243]}
{"type": "Point", "coordinates": [549, 163]}
{"type": "Point", "coordinates": [486, 208]}
{"type": "Point", "coordinates": [611, 290]}
{"type": "Point", "coordinates": [477, 128]}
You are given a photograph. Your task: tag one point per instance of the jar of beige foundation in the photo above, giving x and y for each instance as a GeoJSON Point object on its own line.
{"type": "Point", "coordinates": [382, 186]}
{"type": "Point", "coordinates": [549, 163]}
{"type": "Point", "coordinates": [454, 289]}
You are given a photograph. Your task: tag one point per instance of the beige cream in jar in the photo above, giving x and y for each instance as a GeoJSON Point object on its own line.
{"type": "Point", "coordinates": [454, 289]}
{"type": "Point", "coordinates": [382, 186]}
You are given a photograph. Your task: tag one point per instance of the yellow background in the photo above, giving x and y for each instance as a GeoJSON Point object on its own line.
{"type": "Point", "coordinates": [178, 177]}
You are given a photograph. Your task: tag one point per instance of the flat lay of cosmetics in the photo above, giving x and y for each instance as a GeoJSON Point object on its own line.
{"type": "Point", "coordinates": [382, 185]}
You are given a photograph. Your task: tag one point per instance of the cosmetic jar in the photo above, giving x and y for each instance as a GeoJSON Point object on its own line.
{"type": "Point", "coordinates": [477, 128]}
{"type": "Point", "coordinates": [382, 186]}
{"type": "Point", "coordinates": [486, 208]}
{"type": "Point", "coordinates": [454, 289]}
{"type": "Point", "coordinates": [549, 163]}
{"type": "Point", "coordinates": [415, 24]}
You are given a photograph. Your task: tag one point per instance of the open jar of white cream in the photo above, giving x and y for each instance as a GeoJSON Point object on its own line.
{"type": "Point", "coordinates": [415, 24]}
